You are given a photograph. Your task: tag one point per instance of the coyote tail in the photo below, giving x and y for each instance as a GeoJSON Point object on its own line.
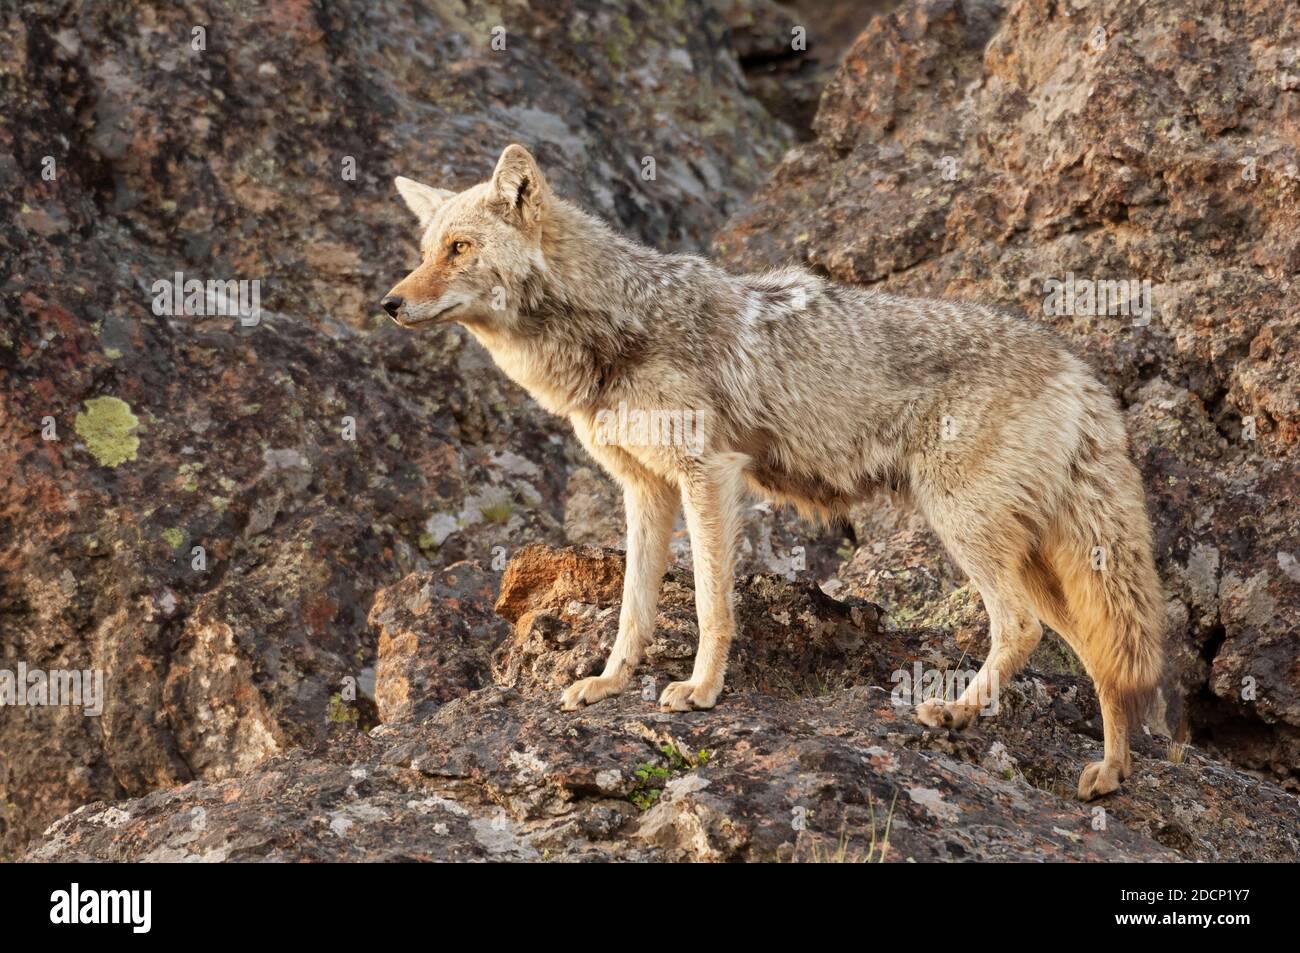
{"type": "Point", "coordinates": [1109, 581]}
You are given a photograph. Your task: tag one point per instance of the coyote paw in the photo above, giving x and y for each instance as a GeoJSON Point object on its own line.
{"type": "Point", "coordinates": [1098, 778]}
{"type": "Point", "coordinates": [685, 696]}
{"type": "Point", "coordinates": [940, 714]}
{"type": "Point", "coordinates": [588, 691]}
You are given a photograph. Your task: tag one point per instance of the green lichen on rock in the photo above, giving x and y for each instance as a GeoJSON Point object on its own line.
{"type": "Point", "coordinates": [173, 537]}
{"type": "Point", "coordinates": [107, 428]}
{"type": "Point", "coordinates": [188, 474]}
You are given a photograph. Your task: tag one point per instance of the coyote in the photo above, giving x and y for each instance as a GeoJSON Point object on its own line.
{"type": "Point", "coordinates": [817, 395]}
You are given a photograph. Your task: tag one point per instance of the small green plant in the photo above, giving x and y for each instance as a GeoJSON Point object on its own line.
{"type": "Point", "coordinates": [840, 855]}
{"type": "Point", "coordinates": [877, 850]}
{"type": "Point", "coordinates": [880, 848]}
{"type": "Point", "coordinates": [340, 712]}
{"type": "Point", "coordinates": [676, 760]}
{"type": "Point", "coordinates": [496, 512]}
{"type": "Point", "coordinates": [651, 776]}
{"type": "Point", "coordinates": [1178, 746]}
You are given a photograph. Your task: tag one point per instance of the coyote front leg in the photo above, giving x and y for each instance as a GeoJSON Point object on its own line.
{"type": "Point", "coordinates": [651, 507]}
{"type": "Point", "coordinates": [711, 495]}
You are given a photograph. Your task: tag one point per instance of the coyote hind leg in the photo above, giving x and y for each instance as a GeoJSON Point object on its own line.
{"type": "Point", "coordinates": [1103, 777]}
{"type": "Point", "coordinates": [1014, 633]}
{"type": "Point", "coordinates": [1047, 578]}
{"type": "Point", "coordinates": [1014, 629]}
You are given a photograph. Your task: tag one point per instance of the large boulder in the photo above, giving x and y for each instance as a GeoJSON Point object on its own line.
{"type": "Point", "coordinates": [981, 150]}
{"type": "Point", "coordinates": [790, 50]}
{"type": "Point", "coordinates": [437, 632]}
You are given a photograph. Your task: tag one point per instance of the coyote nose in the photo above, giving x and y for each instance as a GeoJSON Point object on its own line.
{"type": "Point", "coordinates": [392, 304]}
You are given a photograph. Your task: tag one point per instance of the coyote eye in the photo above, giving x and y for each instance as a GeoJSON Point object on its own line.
{"type": "Point", "coordinates": [459, 248]}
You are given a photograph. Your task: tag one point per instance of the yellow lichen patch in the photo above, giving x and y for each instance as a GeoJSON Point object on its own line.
{"type": "Point", "coordinates": [107, 428]}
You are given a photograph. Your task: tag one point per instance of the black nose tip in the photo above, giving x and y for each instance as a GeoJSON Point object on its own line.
{"type": "Point", "coordinates": [392, 304]}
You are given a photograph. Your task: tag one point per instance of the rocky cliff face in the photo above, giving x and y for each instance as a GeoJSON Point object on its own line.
{"type": "Point", "coordinates": [982, 150]}
{"type": "Point", "coordinates": [257, 532]}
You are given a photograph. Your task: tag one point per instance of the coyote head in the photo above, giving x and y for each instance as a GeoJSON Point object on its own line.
{"type": "Point", "coordinates": [480, 250]}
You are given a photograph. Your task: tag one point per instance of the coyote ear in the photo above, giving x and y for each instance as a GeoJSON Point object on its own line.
{"type": "Point", "coordinates": [518, 190]}
{"type": "Point", "coordinates": [421, 199]}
